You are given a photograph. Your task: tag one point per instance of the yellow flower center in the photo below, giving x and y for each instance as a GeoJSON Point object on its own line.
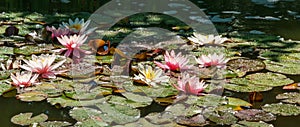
{"type": "Point", "coordinates": [76, 26]}
{"type": "Point", "coordinates": [149, 74]}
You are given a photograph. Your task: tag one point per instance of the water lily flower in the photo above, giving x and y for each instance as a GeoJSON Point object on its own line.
{"type": "Point", "coordinates": [72, 45]}
{"type": "Point", "coordinates": [57, 32]}
{"type": "Point", "coordinates": [190, 85]}
{"type": "Point", "coordinates": [43, 65]}
{"type": "Point", "coordinates": [212, 60]}
{"type": "Point", "coordinates": [78, 26]}
{"type": "Point", "coordinates": [174, 62]}
{"type": "Point", "coordinates": [23, 79]}
{"type": "Point", "coordinates": [207, 39]}
{"type": "Point", "coordinates": [151, 76]}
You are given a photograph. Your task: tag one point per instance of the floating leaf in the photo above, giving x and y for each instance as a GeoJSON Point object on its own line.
{"type": "Point", "coordinates": [282, 109]}
{"type": "Point", "coordinates": [252, 124]}
{"type": "Point", "coordinates": [237, 102]}
{"type": "Point", "coordinates": [4, 74]}
{"type": "Point", "coordinates": [145, 123]}
{"type": "Point", "coordinates": [26, 119]}
{"type": "Point", "coordinates": [4, 86]}
{"type": "Point", "coordinates": [207, 100]}
{"type": "Point", "coordinates": [55, 124]}
{"type": "Point", "coordinates": [118, 113]}
{"type": "Point", "coordinates": [32, 96]}
{"type": "Point", "coordinates": [221, 118]}
{"type": "Point", "coordinates": [255, 115]}
{"type": "Point", "coordinates": [283, 67]}
{"type": "Point", "coordinates": [133, 100]}
{"type": "Point", "coordinates": [244, 85]}
{"type": "Point", "coordinates": [7, 50]}
{"type": "Point", "coordinates": [91, 123]}
{"type": "Point", "coordinates": [64, 101]}
{"type": "Point", "coordinates": [243, 65]}
{"type": "Point", "coordinates": [160, 118]}
{"type": "Point", "coordinates": [198, 120]}
{"type": "Point", "coordinates": [29, 49]}
{"type": "Point", "coordinates": [83, 113]}
{"type": "Point", "coordinates": [269, 79]}
{"type": "Point", "coordinates": [292, 97]}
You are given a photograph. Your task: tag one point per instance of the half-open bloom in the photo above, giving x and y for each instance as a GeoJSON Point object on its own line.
{"type": "Point", "coordinates": [78, 26]}
{"type": "Point", "coordinates": [43, 65]}
{"type": "Point", "coordinates": [174, 62]}
{"type": "Point", "coordinates": [57, 32]}
{"type": "Point", "coordinates": [190, 85]}
{"type": "Point", "coordinates": [72, 45]}
{"type": "Point", "coordinates": [23, 79]}
{"type": "Point", "coordinates": [151, 76]}
{"type": "Point", "coordinates": [207, 39]}
{"type": "Point", "coordinates": [217, 60]}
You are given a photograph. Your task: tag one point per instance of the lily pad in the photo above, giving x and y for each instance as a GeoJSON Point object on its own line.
{"type": "Point", "coordinates": [244, 85]}
{"type": "Point", "coordinates": [292, 97]}
{"type": "Point", "coordinates": [4, 74]}
{"type": "Point", "coordinates": [4, 86]}
{"type": "Point", "coordinates": [221, 118]}
{"type": "Point", "coordinates": [26, 119]}
{"type": "Point", "coordinates": [119, 114]}
{"type": "Point", "coordinates": [32, 96]}
{"type": "Point", "coordinates": [252, 124]}
{"type": "Point", "coordinates": [131, 102]}
{"type": "Point", "coordinates": [83, 113]}
{"type": "Point", "coordinates": [30, 49]}
{"type": "Point", "coordinates": [55, 124]}
{"type": "Point", "coordinates": [207, 100]}
{"type": "Point", "coordinates": [290, 68]}
{"type": "Point", "coordinates": [64, 101]}
{"type": "Point", "coordinates": [145, 123]}
{"type": "Point", "coordinates": [91, 123]}
{"type": "Point", "coordinates": [282, 109]}
{"type": "Point", "coordinates": [237, 102]}
{"type": "Point", "coordinates": [198, 120]}
{"type": "Point", "coordinates": [243, 65]}
{"type": "Point", "coordinates": [7, 50]}
{"type": "Point", "coordinates": [255, 115]}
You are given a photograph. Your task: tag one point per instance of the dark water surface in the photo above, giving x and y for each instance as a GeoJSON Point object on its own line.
{"type": "Point", "coordinates": [281, 18]}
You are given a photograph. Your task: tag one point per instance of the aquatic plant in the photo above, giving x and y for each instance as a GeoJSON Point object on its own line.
{"type": "Point", "coordinates": [78, 26]}
{"type": "Point", "coordinates": [190, 85]}
{"type": "Point", "coordinates": [57, 32]}
{"type": "Point", "coordinates": [23, 79]}
{"type": "Point", "coordinates": [42, 65]}
{"type": "Point", "coordinates": [151, 76]}
{"type": "Point", "coordinates": [207, 39]}
{"type": "Point", "coordinates": [174, 62]}
{"type": "Point", "coordinates": [72, 45]}
{"type": "Point", "coordinates": [217, 60]}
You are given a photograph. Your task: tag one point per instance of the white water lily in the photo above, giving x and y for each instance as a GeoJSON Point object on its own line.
{"type": "Point", "coordinates": [207, 39]}
{"type": "Point", "coordinates": [217, 60]}
{"type": "Point", "coordinates": [23, 79]}
{"type": "Point", "coordinates": [78, 26]}
{"type": "Point", "coordinates": [151, 76]}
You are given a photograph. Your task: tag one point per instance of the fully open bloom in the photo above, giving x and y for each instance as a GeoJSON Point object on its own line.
{"type": "Point", "coordinates": [190, 85]}
{"type": "Point", "coordinates": [42, 65]}
{"type": "Point", "coordinates": [78, 26]}
{"type": "Point", "coordinates": [151, 76]}
{"type": "Point", "coordinates": [207, 39]}
{"type": "Point", "coordinates": [72, 45]}
{"type": "Point", "coordinates": [57, 32]}
{"type": "Point", "coordinates": [212, 60]}
{"type": "Point", "coordinates": [23, 79]}
{"type": "Point", "coordinates": [174, 62]}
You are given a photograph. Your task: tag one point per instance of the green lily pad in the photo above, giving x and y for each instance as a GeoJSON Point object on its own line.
{"type": "Point", "coordinates": [252, 124]}
{"type": "Point", "coordinates": [82, 113]}
{"type": "Point", "coordinates": [257, 82]}
{"type": "Point", "coordinates": [207, 100]}
{"type": "Point", "coordinates": [269, 79]}
{"type": "Point", "coordinates": [3, 58]}
{"type": "Point", "coordinates": [119, 114]}
{"type": "Point", "coordinates": [205, 50]}
{"type": "Point", "coordinates": [243, 65]}
{"type": "Point", "coordinates": [50, 89]}
{"type": "Point", "coordinates": [55, 124]}
{"type": "Point", "coordinates": [30, 49]}
{"type": "Point", "coordinates": [292, 97]}
{"type": "Point", "coordinates": [131, 102]}
{"type": "Point", "coordinates": [4, 86]}
{"type": "Point", "coordinates": [197, 120]}
{"type": "Point", "coordinates": [32, 96]}
{"type": "Point", "coordinates": [64, 101]}
{"type": "Point", "coordinates": [91, 123]}
{"type": "Point", "coordinates": [237, 102]}
{"type": "Point", "coordinates": [24, 119]}
{"type": "Point", "coordinates": [290, 68]}
{"type": "Point", "coordinates": [7, 50]}
{"type": "Point", "coordinates": [221, 118]}
{"type": "Point", "coordinates": [4, 74]}
{"type": "Point", "coordinates": [145, 123]}
{"type": "Point", "coordinates": [244, 85]}
{"type": "Point", "coordinates": [85, 91]}
{"type": "Point", "coordinates": [255, 115]}
{"type": "Point", "coordinates": [162, 91]}
{"type": "Point", "coordinates": [160, 118]}
{"type": "Point", "coordinates": [282, 109]}
{"type": "Point", "coordinates": [108, 59]}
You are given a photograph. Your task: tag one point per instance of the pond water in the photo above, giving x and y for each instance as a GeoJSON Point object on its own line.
{"type": "Point", "coordinates": [258, 17]}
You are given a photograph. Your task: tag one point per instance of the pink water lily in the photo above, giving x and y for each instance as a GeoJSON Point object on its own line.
{"type": "Point", "coordinates": [174, 62]}
{"type": "Point", "coordinates": [57, 32]}
{"type": "Point", "coordinates": [43, 65]}
{"type": "Point", "coordinates": [23, 79]}
{"type": "Point", "coordinates": [72, 45]}
{"type": "Point", "coordinates": [217, 60]}
{"type": "Point", "coordinates": [190, 85]}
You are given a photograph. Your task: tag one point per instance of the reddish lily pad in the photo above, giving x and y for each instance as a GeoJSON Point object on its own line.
{"type": "Point", "coordinates": [243, 65]}
{"type": "Point", "coordinates": [255, 115]}
{"type": "Point", "coordinates": [24, 119]}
